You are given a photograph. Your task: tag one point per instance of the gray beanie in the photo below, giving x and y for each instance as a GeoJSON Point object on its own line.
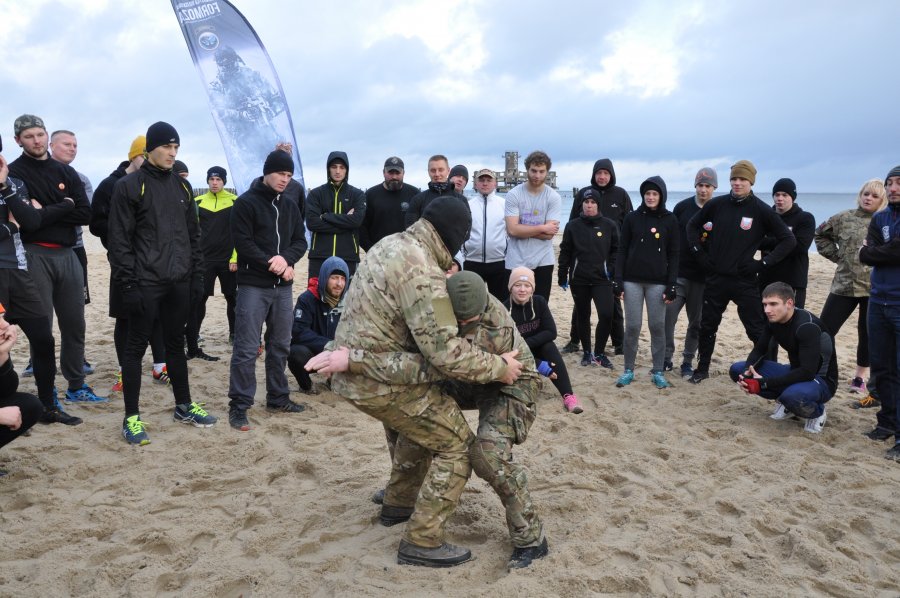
{"type": "Point", "coordinates": [895, 171]}
{"type": "Point", "coordinates": [468, 294]}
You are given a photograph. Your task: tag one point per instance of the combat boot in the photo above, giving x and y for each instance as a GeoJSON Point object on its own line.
{"type": "Point", "coordinates": [522, 557]}
{"type": "Point", "coordinates": [393, 515]}
{"type": "Point", "coordinates": [445, 555]}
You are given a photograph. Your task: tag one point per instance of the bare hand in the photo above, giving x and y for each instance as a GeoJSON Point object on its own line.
{"type": "Point", "coordinates": [277, 265]}
{"type": "Point", "coordinates": [8, 336]}
{"type": "Point", "coordinates": [513, 368]}
{"type": "Point", "coordinates": [329, 362]}
{"type": "Point", "coordinates": [453, 269]}
{"type": "Point", "coordinates": [37, 205]}
{"type": "Point", "coordinates": [11, 417]}
{"type": "Point", "coordinates": [350, 213]}
{"type": "Point", "coordinates": [288, 274]}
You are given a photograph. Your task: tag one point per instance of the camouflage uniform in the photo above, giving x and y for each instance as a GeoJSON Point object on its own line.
{"type": "Point", "coordinates": [505, 414]}
{"type": "Point", "coordinates": [839, 239]}
{"type": "Point", "coordinates": [398, 302]}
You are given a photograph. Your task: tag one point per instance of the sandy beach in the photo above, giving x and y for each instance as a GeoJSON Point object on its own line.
{"type": "Point", "coordinates": [690, 491]}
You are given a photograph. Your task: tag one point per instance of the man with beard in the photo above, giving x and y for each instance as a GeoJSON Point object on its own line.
{"type": "Point", "coordinates": [386, 204]}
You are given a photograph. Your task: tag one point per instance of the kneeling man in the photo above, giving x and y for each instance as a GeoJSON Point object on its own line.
{"type": "Point", "coordinates": [802, 388]}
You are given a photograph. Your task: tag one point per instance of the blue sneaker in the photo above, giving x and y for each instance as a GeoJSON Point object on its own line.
{"type": "Point", "coordinates": [28, 371]}
{"type": "Point", "coordinates": [133, 431]}
{"type": "Point", "coordinates": [87, 368]}
{"type": "Point", "coordinates": [625, 379]}
{"type": "Point", "coordinates": [85, 394]}
{"type": "Point", "coordinates": [195, 415]}
{"type": "Point", "coordinates": [659, 380]}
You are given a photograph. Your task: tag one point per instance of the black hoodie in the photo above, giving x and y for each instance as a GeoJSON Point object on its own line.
{"type": "Point", "coordinates": [649, 244]}
{"type": "Point", "coordinates": [100, 203]}
{"type": "Point", "coordinates": [614, 202]}
{"type": "Point", "coordinates": [334, 230]}
{"type": "Point", "coordinates": [793, 269]}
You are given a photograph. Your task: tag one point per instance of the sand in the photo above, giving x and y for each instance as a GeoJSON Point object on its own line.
{"type": "Point", "coordinates": [691, 491]}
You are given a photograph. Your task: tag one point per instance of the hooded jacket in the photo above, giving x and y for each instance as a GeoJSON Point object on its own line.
{"type": "Point", "coordinates": [100, 204]}
{"type": "Point", "coordinates": [315, 321]}
{"type": "Point", "coordinates": [334, 230]}
{"type": "Point", "coordinates": [882, 250]}
{"type": "Point", "coordinates": [794, 268]}
{"type": "Point", "coordinates": [154, 236]}
{"type": "Point", "coordinates": [588, 252]}
{"type": "Point", "coordinates": [214, 211]}
{"type": "Point", "coordinates": [265, 224]}
{"type": "Point", "coordinates": [613, 201]}
{"type": "Point", "coordinates": [649, 244]}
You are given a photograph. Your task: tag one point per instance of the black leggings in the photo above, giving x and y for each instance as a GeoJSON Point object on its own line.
{"type": "Point", "coordinates": [549, 353]}
{"type": "Point", "coordinates": [543, 281]}
{"type": "Point", "coordinates": [120, 338]}
{"type": "Point", "coordinates": [198, 314]}
{"type": "Point", "coordinates": [31, 409]}
{"type": "Point", "coordinates": [602, 296]}
{"type": "Point", "coordinates": [836, 311]}
{"type": "Point", "coordinates": [43, 356]}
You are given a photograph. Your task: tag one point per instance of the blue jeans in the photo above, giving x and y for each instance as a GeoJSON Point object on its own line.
{"type": "Point", "coordinates": [803, 399]}
{"type": "Point", "coordinates": [884, 342]}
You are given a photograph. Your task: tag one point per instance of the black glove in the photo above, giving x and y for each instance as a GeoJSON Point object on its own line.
{"type": "Point", "coordinates": [751, 268]}
{"type": "Point", "coordinates": [670, 293]}
{"type": "Point", "coordinates": [132, 300]}
{"type": "Point", "coordinates": [617, 290]}
{"type": "Point", "coordinates": [703, 259]}
{"type": "Point", "coordinates": [196, 290]}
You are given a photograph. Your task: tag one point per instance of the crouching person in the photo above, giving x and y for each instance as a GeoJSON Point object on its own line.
{"type": "Point", "coordinates": [804, 386]}
{"type": "Point", "coordinates": [316, 316]}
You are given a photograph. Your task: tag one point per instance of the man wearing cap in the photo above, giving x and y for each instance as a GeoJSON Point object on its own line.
{"type": "Point", "coordinates": [532, 221]}
{"type": "Point", "coordinates": [155, 258]}
{"type": "Point", "coordinates": [399, 303]}
{"type": "Point", "coordinates": [438, 186]}
{"type": "Point", "coordinates": [219, 257]}
{"type": "Point", "coordinates": [269, 239]}
{"type": "Point", "coordinates": [882, 251]}
{"type": "Point", "coordinates": [386, 204]}
{"type": "Point", "coordinates": [56, 189]}
{"type": "Point", "coordinates": [723, 237]}
{"type": "Point", "coordinates": [459, 177]}
{"type": "Point", "coordinates": [335, 212]}
{"type": "Point", "coordinates": [485, 250]}
{"type": "Point", "coordinates": [691, 275]}
{"type": "Point", "coordinates": [793, 269]}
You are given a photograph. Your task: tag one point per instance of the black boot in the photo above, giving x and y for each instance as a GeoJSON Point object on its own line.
{"type": "Point", "coordinates": [394, 515]}
{"type": "Point", "coordinates": [522, 557]}
{"type": "Point", "coordinates": [445, 555]}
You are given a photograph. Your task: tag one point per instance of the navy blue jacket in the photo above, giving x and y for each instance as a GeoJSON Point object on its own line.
{"type": "Point", "coordinates": [882, 250]}
{"type": "Point", "coordinates": [314, 320]}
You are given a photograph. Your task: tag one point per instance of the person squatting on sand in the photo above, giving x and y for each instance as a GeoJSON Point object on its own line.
{"type": "Point", "coordinates": [587, 262]}
{"type": "Point", "coordinates": [802, 388]}
{"type": "Point", "coordinates": [882, 252]}
{"type": "Point", "coordinates": [155, 258]}
{"type": "Point", "coordinates": [839, 239]}
{"type": "Point", "coordinates": [646, 269]}
{"type": "Point", "coordinates": [535, 323]}
{"type": "Point", "coordinates": [734, 226]}
{"type": "Point", "coordinates": [269, 239]}
{"type": "Point", "coordinates": [398, 302]}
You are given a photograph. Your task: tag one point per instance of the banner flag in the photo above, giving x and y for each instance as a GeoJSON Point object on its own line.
{"type": "Point", "coordinates": [242, 87]}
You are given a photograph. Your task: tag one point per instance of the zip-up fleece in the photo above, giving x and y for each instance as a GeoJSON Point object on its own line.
{"type": "Point", "coordinates": [264, 225]}
{"type": "Point", "coordinates": [649, 245]}
{"type": "Point", "coordinates": [334, 231]}
{"type": "Point", "coordinates": [214, 210]}
{"type": "Point", "coordinates": [487, 239]}
{"type": "Point", "coordinates": [588, 252]}
{"type": "Point", "coordinates": [315, 322]}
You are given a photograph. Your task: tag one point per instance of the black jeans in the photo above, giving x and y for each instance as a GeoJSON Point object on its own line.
{"type": "Point", "coordinates": [494, 274]}
{"type": "Point", "coordinates": [719, 291]}
{"type": "Point", "coordinates": [602, 297]}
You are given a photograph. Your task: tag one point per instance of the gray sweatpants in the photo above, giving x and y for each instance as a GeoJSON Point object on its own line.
{"type": "Point", "coordinates": [690, 296]}
{"type": "Point", "coordinates": [636, 294]}
{"type": "Point", "coordinates": [59, 278]}
{"type": "Point", "coordinates": [256, 305]}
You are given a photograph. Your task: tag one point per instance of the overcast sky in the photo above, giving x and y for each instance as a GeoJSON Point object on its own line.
{"type": "Point", "coordinates": [805, 89]}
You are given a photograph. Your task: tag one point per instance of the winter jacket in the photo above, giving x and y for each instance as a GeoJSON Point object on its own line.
{"type": "Point", "coordinates": [153, 234]}
{"type": "Point", "coordinates": [588, 252]}
{"type": "Point", "coordinates": [613, 201]}
{"type": "Point", "coordinates": [649, 243]}
{"type": "Point", "coordinates": [487, 239]}
{"type": "Point", "coordinates": [334, 230]}
{"type": "Point", "coordinates": [315, 321]}
{"type": "Point", "coordinates": [839, 239]}
{"type": "Point", "coordinates": [794, 268]}
{"type": "Point", "coordinates": [385, 213]}
{"type": "Point", "coordinates": [882, 250]}
{"type": "Point", "coordinates": [100, 204]}
{"type": "Point", "coordinates": [214, 210]}
{"type": "Point", "coordinates": [265, 224]}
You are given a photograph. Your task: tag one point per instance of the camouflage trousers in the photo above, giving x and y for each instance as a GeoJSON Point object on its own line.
{"type": "Point", "coordinates": [502, 422]}
{"type": "Point", "coordinates": [434, 424]}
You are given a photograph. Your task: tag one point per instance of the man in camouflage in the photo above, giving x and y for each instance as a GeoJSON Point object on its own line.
{"type": "Point", "coordinates": [399, 303]}
{"type": "Point", "coordinates": [505, 414]}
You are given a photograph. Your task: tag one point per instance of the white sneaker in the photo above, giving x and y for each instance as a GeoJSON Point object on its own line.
{"type": "Point", "coordinates": [780, 413]}
{"type": "Point", "coordinates": [814, 425]}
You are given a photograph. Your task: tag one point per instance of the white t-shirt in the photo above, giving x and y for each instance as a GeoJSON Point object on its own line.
{"type": "Point", "coordinates": [532, 210]}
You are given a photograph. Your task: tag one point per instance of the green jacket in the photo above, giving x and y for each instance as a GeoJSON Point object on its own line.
{"type": "Point", "coordinates": [839, 239]}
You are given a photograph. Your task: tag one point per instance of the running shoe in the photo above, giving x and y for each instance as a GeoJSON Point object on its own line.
{"type": "Point", "coordinates": [570, 402]}
{"type": "Point", "coordinates": [571, 347]}
{"type": "Point", "coordinates": [698, 376]}
{"type": "Point", "coordinates": [133, 429]}
{"type": "Point", "coordinates": [625, 379]}
{"type": "Point", "coordinates": [237, 419]}
{"type": "Point", "coordinates": [814, 425]}
{"type": "Point", "coordinates": [603, 361]}
{"type": "Point", "coordinates": [195, 415]}
{"type": "Point", "coordinates": [858, 385]}
{"type": "Point", "coordinates": [162, 376]}
{"type": "Point", "coordinates": [587, 359]}
{"type": "Point", "coordinates": [288, 406]}
{"type": "Point", "coordinates": [659, 380]}
{"type": "Point", "coordinates": [667, 366]}
{"type": "Point", "coordinates": [56, 415]}
{"type": "Point", "coordinates": [200, 355]}
{"type": "Point", "coordinates": [780, 413]}
{"type": "Point", "coordinates": [28, 371]}
{"type": "Point", "coordinates": [87, 368]}
{"type": "Point", "coordinates": [866, 402]}
{"type": "Point", "coordinates": [117, 387]}
{"type": "Point", "coordinates": [893, 453]}
{"type": "Point", "coordinates": [687, 370]}
{"type": "Point", "coordinates": [85, 394]}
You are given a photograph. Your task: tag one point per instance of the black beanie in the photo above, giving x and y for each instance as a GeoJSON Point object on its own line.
{"type": "Point", "coordinates": [451, 218]}
{"type": "Point", "coordinates": [178, 167]}
{"type": "Point", "coordinates": [219, 172]}
{"type": "Point", "coordinates": [278, 161]}
{"type": "Point", "coordinates": [459, 170]}
{"type": "Point", "coordinates": [785, 186]}
{"type": "Point", "coordinates": [161, 133]}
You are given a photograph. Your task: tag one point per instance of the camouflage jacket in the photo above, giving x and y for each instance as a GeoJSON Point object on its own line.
{"type": "Point", "coordinates": [496, 334]}
{"type": "Point", "coordinates": [398, 303]}
{"type": "Point", "coordinates": [839, 239]}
